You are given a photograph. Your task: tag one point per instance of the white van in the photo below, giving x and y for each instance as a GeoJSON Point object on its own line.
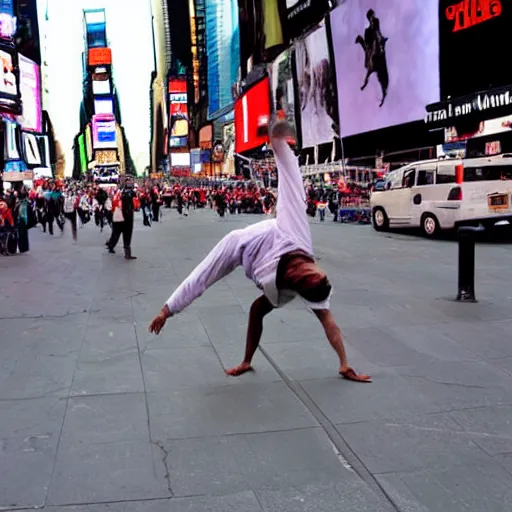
{"type": "Point", "coordinates": [426, 195]}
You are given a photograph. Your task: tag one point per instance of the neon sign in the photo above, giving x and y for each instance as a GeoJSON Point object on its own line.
{"type": "Point", "coordinates": [8, 26]}
{"type": "Point", "coordinates": [468, 13]}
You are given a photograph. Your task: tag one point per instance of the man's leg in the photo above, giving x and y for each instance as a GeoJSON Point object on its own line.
{"type": "Point", "coordinates": [333, 333]}
{"type": "Point", "coordinates": [259, 309]}
{"type": "Point", "coordinates": [50, 222]}
{"type": "Point", "coordinates": [127, 239]}
{"type": "Point", "coordinates": [73, 219]}
{"type": "Point", "coordinates": [117, 229]}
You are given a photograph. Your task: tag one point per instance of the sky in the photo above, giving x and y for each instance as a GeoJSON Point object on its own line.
{"type": "Point", "coordinates": [130, 37]}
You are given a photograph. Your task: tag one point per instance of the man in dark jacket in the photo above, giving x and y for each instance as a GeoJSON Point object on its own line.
{"type": "Point", "coordinates": [127, 196]}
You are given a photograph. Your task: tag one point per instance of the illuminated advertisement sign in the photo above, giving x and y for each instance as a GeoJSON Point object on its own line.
{"type": "Point", "coordinates": [206, 137]}
{"type": "Point", "coordinates": [249, 110]}
{"type": "Point", "coordinates": [178, 113]}
{"type": "Point", "coordinates": [100, 57]}
{"type": "Point", "coordinates": [8, 83]}
{"type": "Point", "coordinates": [96, 28]}
{"type": "Point", "coordinates": [106, 156]}
{"type": "Point", "coordinates": [100, 87]}
{"type": "Point", "coordinates": [474, 37]}
{"type": "Point", "coordinates": [104, 132]}
{"type": "Point", "coordinates": [390, 81]}
{"type": "Point", "coordinates": [180, 159]}
{"type": "Point", "coordinates": [31, 150]}
{"type": "Point", "coordinates": [7, 19]}
{"type": "Point", "coordinates": [104, 106]}
{"type": "Point", "coordinates": [30, 88]}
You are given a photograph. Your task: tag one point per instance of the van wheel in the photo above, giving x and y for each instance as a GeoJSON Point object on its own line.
{"type": "Point", "coordinates": [430, 225]}
{"type": "Point", "coordinates": [380, 220]}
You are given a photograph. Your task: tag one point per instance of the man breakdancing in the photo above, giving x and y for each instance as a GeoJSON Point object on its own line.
{"type": "Point", "coordinates": [277, 255]}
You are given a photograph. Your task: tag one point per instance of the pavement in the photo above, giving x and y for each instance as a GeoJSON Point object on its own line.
{"type": "Point", "coordinates": [98, 415]}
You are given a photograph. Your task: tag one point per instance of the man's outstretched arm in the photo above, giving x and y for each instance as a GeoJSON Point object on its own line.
{"type": "Point", "coordinates": [291, 197]}
{"type": "Point", "coordinates": [220, 262]}
{"type": "Point", "coordinates": [259, 309]}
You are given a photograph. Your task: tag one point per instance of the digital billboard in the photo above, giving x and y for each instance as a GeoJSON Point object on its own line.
{"type": "Point", "coordinates": [283, 91]}
{"type": "Point", "coordinates": [318, 109]}
{"type": "Point", "coordinates": [31, 150]}
{"type": "Point", "coordinates": [178, 113]}
{"type": "Point", "coordinates": [104, 106]}
{"type": "Point", "coordinates": [96, 28]}
{"type": "Point", "coordinates": [100, 57]}
{"type": "Point", "coordinates": [180, 159]}
{"type": "Point", "coordinates": [104, 132]}
{"type": "Point", "coordinates": [472, 45]}
{"type": "Point", "coordinates": [30, 89]}
{"type": "Point", "coordinates": [387, 62]}
{"type": "Point", "coordinates": [100, 87]}
{"type": "Point", "coordinates": [7, 19]}
{"type": "Point", "coordinates": [250, 109]}
{"type": "Point", "coordinates": [8, 82]}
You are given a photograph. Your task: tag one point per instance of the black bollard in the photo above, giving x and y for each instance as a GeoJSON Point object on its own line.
{"type": "Point", "coordinates": [467, 240]}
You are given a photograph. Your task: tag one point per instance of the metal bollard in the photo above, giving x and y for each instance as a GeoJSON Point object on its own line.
{"type": "Point", "coordinates": [467, 239]}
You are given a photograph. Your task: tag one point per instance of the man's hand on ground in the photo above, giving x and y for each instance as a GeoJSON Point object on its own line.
{"type": "Point", "coordinates": [350, 374]}
{"type": "Point", "coordinates": [157, 324]}
{"type": "Point", "coordinates": [239, 370]}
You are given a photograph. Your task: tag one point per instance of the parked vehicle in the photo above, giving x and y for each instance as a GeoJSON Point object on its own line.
{"type": "Point", "coordinates": [426, 195]}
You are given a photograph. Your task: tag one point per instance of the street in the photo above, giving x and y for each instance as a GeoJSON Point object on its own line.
{"type": "Point", "coordinates": [98, 415]}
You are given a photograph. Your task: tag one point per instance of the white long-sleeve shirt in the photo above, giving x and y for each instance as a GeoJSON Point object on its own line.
{"type": "Point", "coordinates": [258, 248]}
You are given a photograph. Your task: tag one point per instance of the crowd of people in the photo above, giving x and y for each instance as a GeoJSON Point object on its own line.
{"type": "Point", "coordinates": [52, 204]}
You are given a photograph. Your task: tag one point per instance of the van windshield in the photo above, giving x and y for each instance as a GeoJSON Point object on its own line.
{"type": "Point", "coordinates": [488, 173]}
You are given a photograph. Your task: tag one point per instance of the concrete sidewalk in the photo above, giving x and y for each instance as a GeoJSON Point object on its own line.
{"type": "Point", "coordinates": [98, 415]}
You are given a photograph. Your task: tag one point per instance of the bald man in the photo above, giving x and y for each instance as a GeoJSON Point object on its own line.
{"type": "Point", "coordinates": [277, 256]}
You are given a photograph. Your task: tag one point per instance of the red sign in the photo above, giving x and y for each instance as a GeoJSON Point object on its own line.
{"type": "Point", "coordinates": [180, 173]}
{"type": "Point", "coordinates": [177, 85]}
{"type": "Point", "coordinates": [468, 13]}
{"type": "Point", "coordinates": [100, 57]}
{"type": "Point", "coordinates": [179, 108]}
{"type": "Point", "coordinates": [250, 110]}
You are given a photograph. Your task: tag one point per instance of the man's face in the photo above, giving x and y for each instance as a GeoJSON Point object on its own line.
{"type": "Point", "coordinates": [305, 277]}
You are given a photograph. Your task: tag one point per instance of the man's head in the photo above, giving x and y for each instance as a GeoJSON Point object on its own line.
{"type": "Point", "coordinates": [302, 275]}
{"type": "Point", "coordinates": [370, 14]}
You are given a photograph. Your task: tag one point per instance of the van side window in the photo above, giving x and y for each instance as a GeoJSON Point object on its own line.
{"type": "Point", "coordinates": [445, 176]}
{"type": "Point", "coordinates": [409, 178]}
{"type": "Point", "coordinates": [425, 177]}
{"type": "Point", "coordinates": [488, 173]}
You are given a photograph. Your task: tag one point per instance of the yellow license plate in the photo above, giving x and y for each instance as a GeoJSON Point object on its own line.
{"type": "Point", "coordinates": [498, 202]}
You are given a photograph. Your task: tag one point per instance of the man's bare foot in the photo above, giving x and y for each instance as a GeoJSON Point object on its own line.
{"type": "Point", "coordinates": [240, 370]}
{"type": "Point", "coordinates": [350, 374]}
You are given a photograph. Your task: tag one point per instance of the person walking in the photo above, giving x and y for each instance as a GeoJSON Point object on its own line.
{"type": "Point", "coordinates": [122, 217]}
{"type": "Point", "coordinates": [277, 254]}
{"type": "Point", "coordinates": [22, 220]}
{"type": "Point", "coordinates": [70, 210]}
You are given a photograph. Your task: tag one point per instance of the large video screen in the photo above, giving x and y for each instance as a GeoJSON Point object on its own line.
{"type": "Point", "coordinates": [473, 45]}
{"type": "Point", "coordinates": [30, 88]}
{"type": "Point", "coordinates": [387, 62]}
{"type": "Point", "coordinates": [283, 93]}
{"type": "Point", "coordinates": [250, 109]}
{"type": "Point", "coordinates": [318, 109]}
{"type": "Point", "coordinates": [178, 113]}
